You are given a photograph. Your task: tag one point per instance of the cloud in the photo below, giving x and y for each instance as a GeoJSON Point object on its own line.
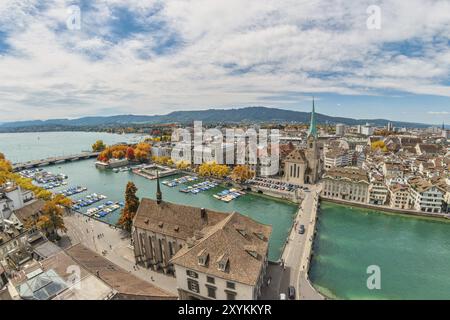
{"type": "Point", "coordinates": [156, 56]}
{"type": "Point", "coordinates": [438, 112]}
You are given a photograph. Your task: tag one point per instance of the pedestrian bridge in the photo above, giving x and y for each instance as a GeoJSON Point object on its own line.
{"type": "Point", "coordinates": [53, 160]}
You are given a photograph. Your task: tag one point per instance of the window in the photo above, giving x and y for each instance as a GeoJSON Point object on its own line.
{"type": "Point", "coordinates": [210, 279]}
{"type": "Point", "coordinates": [211, 292]}
{"type": "Point", "coordinates": [230, 295]}
{"type": "Point", "coordinates": [192, 274]}
{"type": "Point", "coordinates": [193, 285]}
{"type": "Point", "coordinates": [231, 285]}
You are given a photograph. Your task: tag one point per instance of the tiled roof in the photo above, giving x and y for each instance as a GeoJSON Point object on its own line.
{"type": "Point", "coordinates": [30, 209]}
{"type": "Point", "coordinates": [172, 219]}
{"type": "Point", "coordinates": [297, 156]}
{"type": "Point", "coordinates": [238, 241]}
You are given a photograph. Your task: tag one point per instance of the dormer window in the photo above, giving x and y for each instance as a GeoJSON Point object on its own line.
{"type": "Point", "coordinates": [251, 250]}
{"type": "Point", "coordinates": [222, 262]}
{"type": "Point", "coordinates": [260, 236]}
{"type": "Point", "coordinates": [203, 258]}
{"type": "Point", "coordinates": [160, 224]}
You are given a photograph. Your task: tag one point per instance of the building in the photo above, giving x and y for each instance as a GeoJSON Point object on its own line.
{"type": "Point", "coordinates": [80, 274]}
{"type": "Point", "coordinates": [228, 261]}
{"type": "Point", "coordinates": [337, 158]}
{"type": "Point", "coordinates": [378, 191]}
{"type": "Point", "coordinates": [304, 166]}
{"type": "Point", "coordinates": [340, 129]}
{"type": "Point", "coordinates": [425, 196]}
{"type": "Point", "coordinates": [399, 196]}
{"type": "Point", "coordinates": [166, 236]}
{"type": "Point", "coordinates": [367, 129]}
{"type": "Point", "coordinates": [349, 184]}
{"type": "Point", "coordinates": [112, 163]}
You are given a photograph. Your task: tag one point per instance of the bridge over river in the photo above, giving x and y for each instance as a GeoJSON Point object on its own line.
{"type": "Point", "coordinates": [53, 160]}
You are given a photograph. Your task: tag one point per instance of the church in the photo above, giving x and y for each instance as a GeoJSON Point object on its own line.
{"type": "Point", "coordinates": [303, 166]}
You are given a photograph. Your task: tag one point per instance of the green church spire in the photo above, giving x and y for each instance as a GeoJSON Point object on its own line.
{"type": "Point", "coordinates": [313, 125]}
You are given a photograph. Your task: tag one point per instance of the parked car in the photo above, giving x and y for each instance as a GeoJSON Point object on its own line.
{"type": "Point", "coordinates": [301, 229]}
{"type": "Point", "coordinates": [291, 292]}
{"type": "Point", "coordinates": [282, 296]}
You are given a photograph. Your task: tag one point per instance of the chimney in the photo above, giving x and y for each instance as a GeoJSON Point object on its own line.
{"type": "Point", "coordinates": [203, 213]}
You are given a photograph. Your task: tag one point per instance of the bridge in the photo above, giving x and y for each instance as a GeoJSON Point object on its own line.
{"type": "Point", "coordinates": [53, 160]}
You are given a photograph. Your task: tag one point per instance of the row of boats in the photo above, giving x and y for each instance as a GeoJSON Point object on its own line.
{"type": "Point", "coordinates": [89, 200]}
{"type": "Point", "coordinates": [229, 195]}
{"type": "Point", "coordinates": [104, 209]}
{"type": "Point", "coordinates": [199, 187]}
{"type": "Point", "coordinates": [72, 191]}
{"type": "Point", "coordinates": [178, 181]}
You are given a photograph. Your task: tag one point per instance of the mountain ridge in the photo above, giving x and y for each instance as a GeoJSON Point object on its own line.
{"type": "Point", "coordinates": [236, 115]}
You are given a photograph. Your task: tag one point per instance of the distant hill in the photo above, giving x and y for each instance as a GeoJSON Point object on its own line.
{"type": "Point", "coordinates": [240, 115]}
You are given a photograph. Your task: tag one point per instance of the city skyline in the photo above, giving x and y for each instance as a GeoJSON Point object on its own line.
{"type": "Point", "coordinates": [155, 58]}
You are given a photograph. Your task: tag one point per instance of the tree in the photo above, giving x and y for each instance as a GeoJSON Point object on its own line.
{"type": "Point", "coordinates": [182, 165]}
{"type": "Point", "coordinates": [98, 146]}
{"type": "Point", "coordinates": [51, 220]}
{"type": "Point", "coordinates": [142, 151]}
{"type": "Point", "coordinates": [130, 208]}
{"type": "Point", "coordinates": [130, 154]}
{"type": "Point", "coordinates": [2, 156]}
{"type": "Point", "coordinates": [242, 173]}
{"type": "Point", "coordinates": [378, 145]}
{"type": "Point", "coordinates": [212, 169]}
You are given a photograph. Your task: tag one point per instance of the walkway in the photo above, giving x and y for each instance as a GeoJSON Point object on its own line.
{"type": "Point", "coordinates": [116, 243]}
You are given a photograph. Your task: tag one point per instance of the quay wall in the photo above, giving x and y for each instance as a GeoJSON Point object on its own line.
{"type": "Point", "coordinates": [387, 209]}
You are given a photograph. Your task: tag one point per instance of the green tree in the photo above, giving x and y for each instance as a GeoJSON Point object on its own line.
{"type": "Point", "coordinates": [131, 207]}
{"type": "Point", "coordinates": [98, 146]}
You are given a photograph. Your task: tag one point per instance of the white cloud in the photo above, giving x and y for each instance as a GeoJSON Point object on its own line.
{"type": "Point", "coordinates": [229, 53]}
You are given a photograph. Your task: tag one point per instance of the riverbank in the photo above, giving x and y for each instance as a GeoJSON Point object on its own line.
{"type": "Point", "coordinates": [411, 251]}
{"type": "Point", "coordinates": [391, 211]}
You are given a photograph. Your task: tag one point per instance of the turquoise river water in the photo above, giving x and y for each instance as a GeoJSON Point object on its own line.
{"type": "Point", "coordinates": [279, 214]}
{"type": "Point", "coordinates": [413, 254]}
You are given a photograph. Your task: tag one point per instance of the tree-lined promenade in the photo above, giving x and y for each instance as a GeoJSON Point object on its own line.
{"type": "Point", "coordinates": [50, 220]}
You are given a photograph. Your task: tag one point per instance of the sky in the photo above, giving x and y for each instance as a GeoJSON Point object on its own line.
{"type": "Point", "coordinates": [155, 57]}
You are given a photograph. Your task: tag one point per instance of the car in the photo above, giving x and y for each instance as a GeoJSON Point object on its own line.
{"type": "Point", "coordinates": [282, 296]}
{"type": "Point", "coordinates": [301, 229]}
{"type": "Point", "coordinates": [291, 292]}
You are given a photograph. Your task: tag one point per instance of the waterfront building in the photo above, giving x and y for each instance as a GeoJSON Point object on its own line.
{"type": "Point", "coordinates": [399, 196]}
{"type": "Point", "coordinates": [349, 184]}
{"type": "Point", "coordinates": [228, 261]}
{"type": "Point", "coordinates": [378, 191]}
{"type": "Point", "coordinates": [425, 196]}
{"type": "Point", "coordinates": [304, 166]}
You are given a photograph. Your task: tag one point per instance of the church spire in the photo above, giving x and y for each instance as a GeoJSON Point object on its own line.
{"type": "Point", "coordinates": [313, 125]}
{"type": "Point", "coordinates": [158, 189]}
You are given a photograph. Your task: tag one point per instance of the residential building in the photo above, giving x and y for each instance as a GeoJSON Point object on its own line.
{"type": "Point", "coordinates": [425, 196]}
{"type": "Point", "coordinates": [349, 184]}
{"type": "Point", "coordinates": [399, 196]}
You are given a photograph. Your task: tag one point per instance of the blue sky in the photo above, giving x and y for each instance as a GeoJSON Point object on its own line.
{"type": "Point", "coordinates": [154, 57]}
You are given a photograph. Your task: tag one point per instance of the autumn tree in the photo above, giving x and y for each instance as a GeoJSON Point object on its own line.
{"type": "Point", "coordinates": [142, 151]}
{"type": "Point", "coordinates": [242, 173]}
{"type": "Point", "coordinates": [182, 165]}
{"type": "Point", "coordinates": [378, 145]}
{"type": "Point", "coordinates": [51, 221]}
{"type": "Point", "coordinates": [130, 208]}
{"type": "Point", "coordinates": [212, 169]}
{"type": "Point", "coordinates": [130, 154]}
{"type": "Point", "coordinates": [98, 146]}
